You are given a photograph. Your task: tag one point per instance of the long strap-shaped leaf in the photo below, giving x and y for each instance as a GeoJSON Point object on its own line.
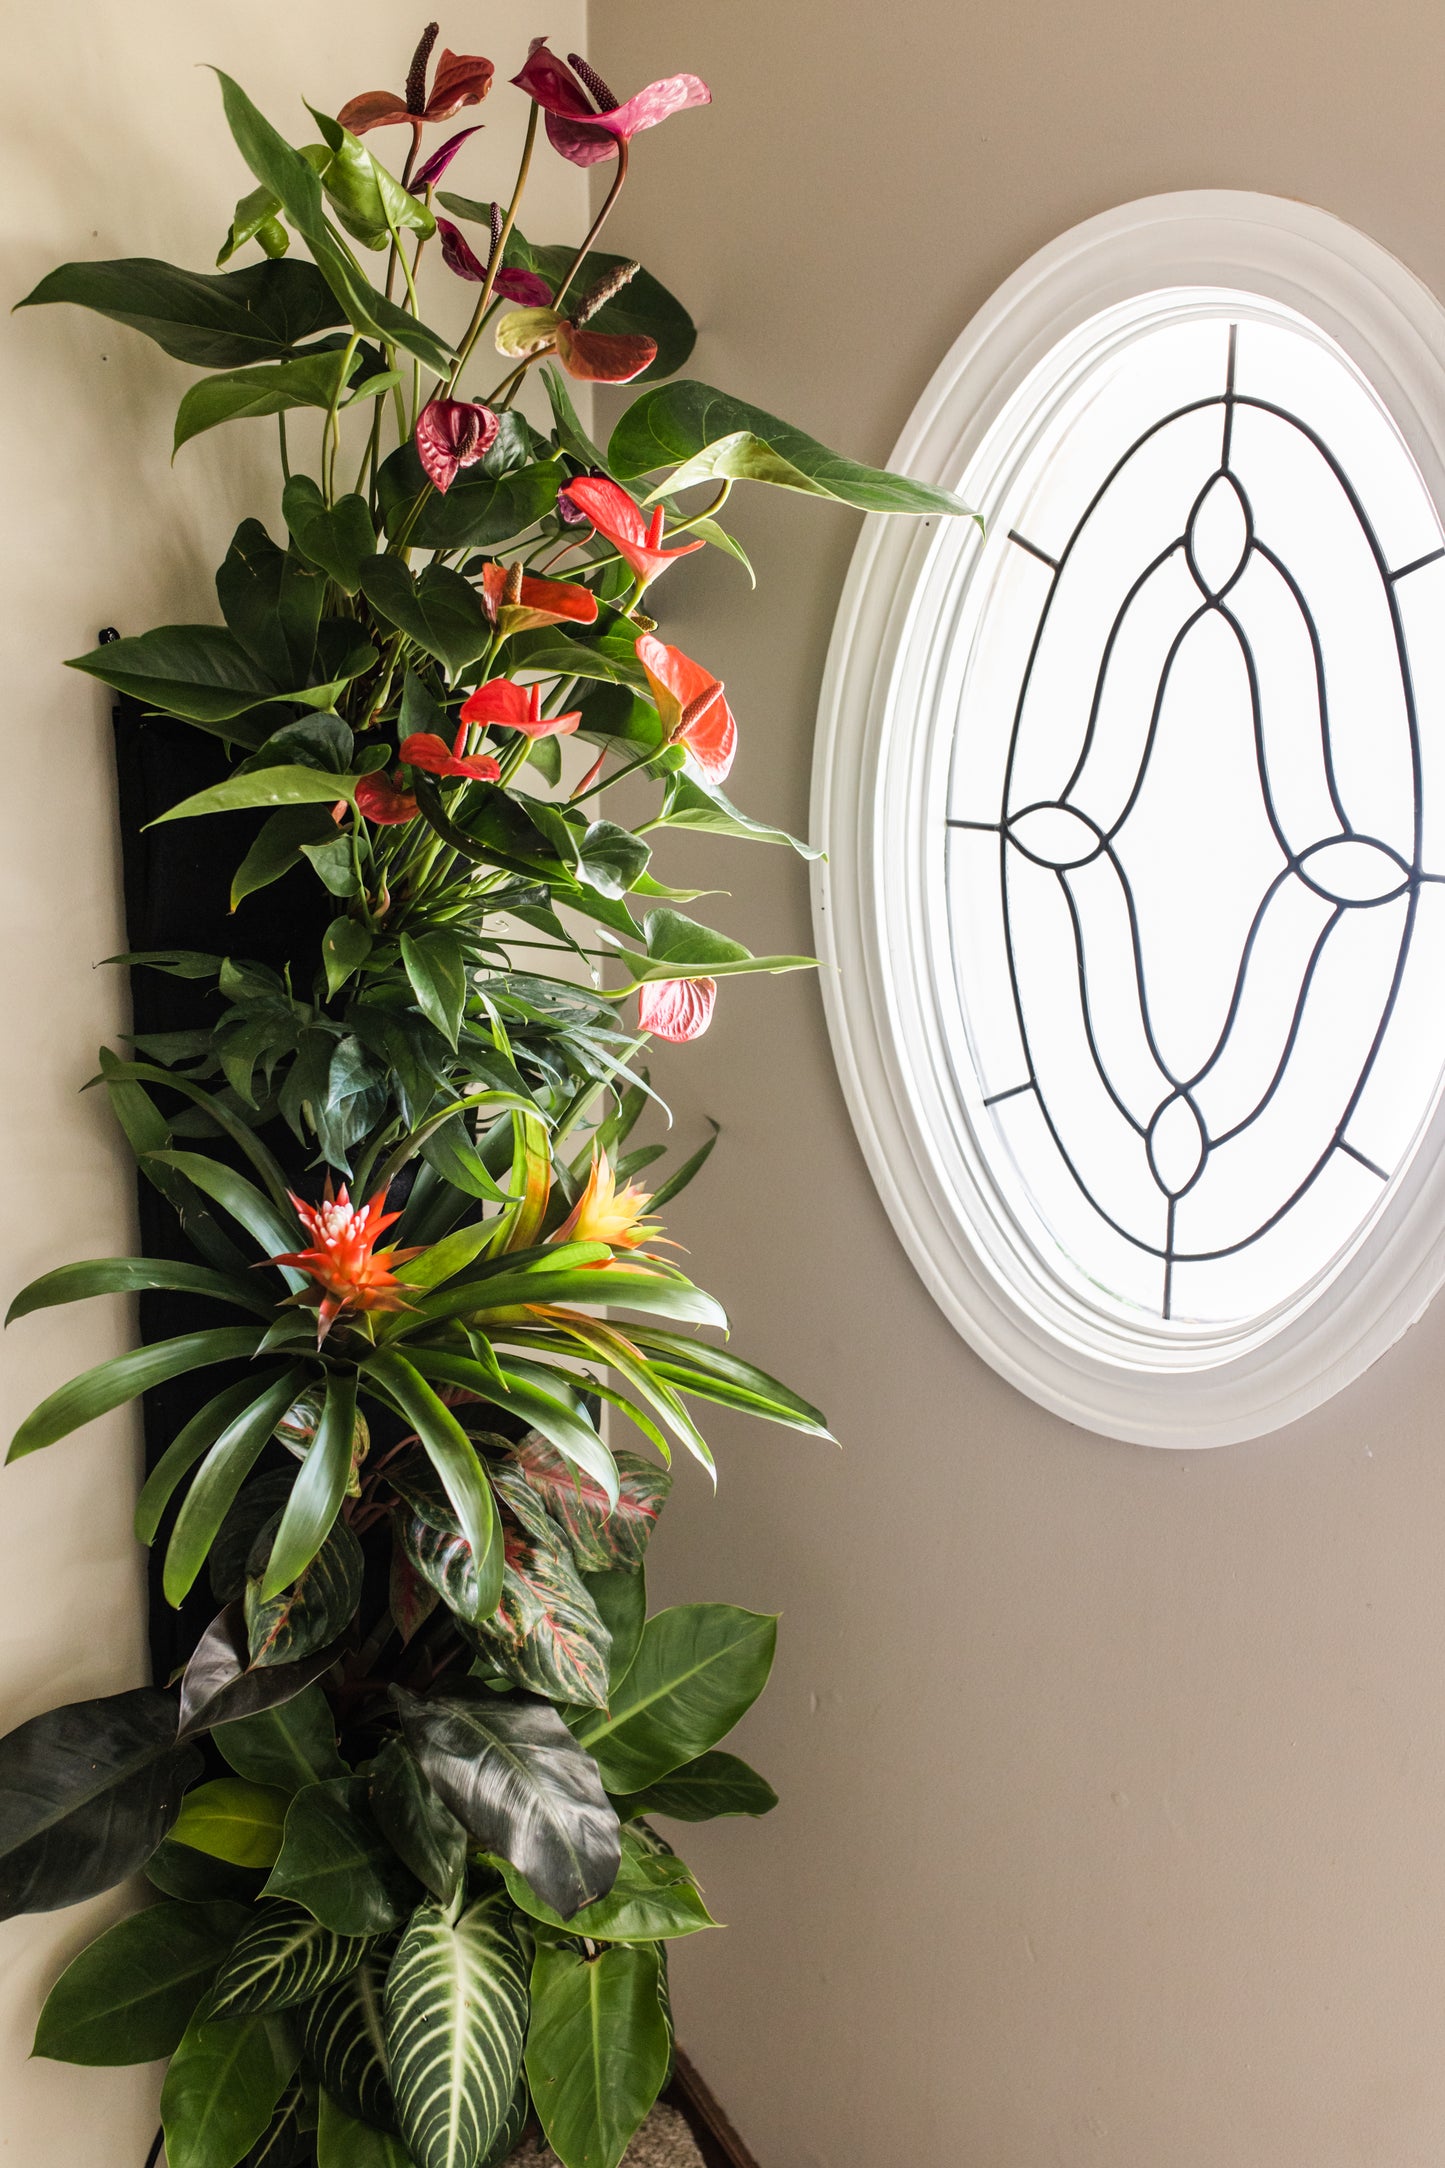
{"type": "Point", "coordinates": [135, 1276]}
{"type": "Point", "coordinates": [713, 1374]}
{"type": "Point", "coordinates": [276, 1231]}
{"type": "Point", "coordinates": [191, 1444]}
{"type": "Point", "coordinates": [456, 2016]}
{"type": "Point", "coordinates": [454, 1457]}
{"type": "Point", "coordinates": [608, 1345]}
{"type": "Point", "coordinates": [222, 1473]}
{"type": "Point", "coordinates": [111, 1384]}
{"type": "Point", "coordinates": [318, 1490]}
{"type": "Point", "coordinates": [245, 1138]}
{"type": "Point", "coordinates": [542, 1398]}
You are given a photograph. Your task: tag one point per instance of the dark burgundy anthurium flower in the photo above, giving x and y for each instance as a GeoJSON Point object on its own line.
{"type": "Point", "coordinates": [506, 706]}
{"type": "Point", "coordinates": [522, 286]}
{"type": "Point", "coordinates": [585, 122]}
{"type": "Point", "coordinates": [637, 541]}
{"type": "Point", "coordinates": [430, 172]}
{"type": "Point", "coordinates": [424, 749]}
{"type": "Point", "coordinates": [452, 434]}
{"type": "Point", "coordinates": [460, 79]}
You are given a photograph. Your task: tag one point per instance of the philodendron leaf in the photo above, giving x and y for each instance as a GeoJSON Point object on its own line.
{"type": "Point", "coordinates": [312, 1611]}
{"type": "Point", "coordinates": [342, 2141]}
{"type": "Point", "coordinates": [221, 1684]}
{"type": "Point", "coordinates": [698, 1668]}
{"type": "Point", "coordinates": [197, 1879]}
{"type": "Point", "coordinates": [715, 1784]}
{"type": "Point", "coordinates": [87, 1792]}
{"type": "Point", "coordinates": [603, 1536]}
{"type": "Point", "coordinates": [345, 2035]}
{"type": "Point", "coordinates": [232, 1820]}
{"type": "Point", "coordinates": [456, 2017]}
{"type": "Point", "coordinates": [129, 1996]}
{"type": "Point", "coordinates": [287, 1746]}
{"type": "Point", "coordinates": [222, 2087]}
{"type": "Point", "coordinates": [516, 1779]}
{"type": "Point", "coordinates": [621, 1600]}
{"type": "Point", "coordinates": [335, 1861]}
{"type": "Point", "coordinates": [597, 2047]}
{"type": "Point", "coordinates": [653, 1899]}
{"type": "Point", "coordinates": [704, 435]}
{"type": "Point", "coordinates": [420, 1830]}
{"type": "Point", "coordinates": [259, 314]}
{"type": "Point", "coordinates": [284, 1957]}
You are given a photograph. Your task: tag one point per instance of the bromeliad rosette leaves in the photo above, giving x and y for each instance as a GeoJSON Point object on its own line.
{"type": "Point", "coordinates": [393, 1810]}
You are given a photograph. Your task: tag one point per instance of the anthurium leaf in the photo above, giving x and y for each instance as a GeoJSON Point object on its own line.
{"type": "Point", "coordinates": [87, 1792]}
{"type": "Point", "coordinates": [716, 1784]}
{"type": "Point", "coordinates": [318, 1491]}
{"type": "Point", "coordinates": [621, 1600]}
{"type": "Point", "coordinates": [308, 1613]}
{"type": "Point", "coordinates": [705, 435]}
{"type": "Point", "coordinates": [456, 2017]}
{"type": "Point", "coordinates": [338, 538]}
{"type": "Point", "coordinates": [273, 387]}
{"type": "Point", "coordinates": [133, 1276]}
{"type": "Point", "coordinates": [571, 436]}
{"type": "Point", "coordinates": [286, 173]}
{"type": "Point", "coordinates": [130, 1995]}
{"type": "Point", "coordinates": [343, 2141]}
{"type": "Point", "coordinates": [654, 1899]}
{"type": "Point", "coordinates": [272, 602]}
{"type": "Point", "coordinates": [345, 2035]}
{"type": "Point", "coordinates": [597, 2047]}
{"type": "Point", "coordinates": [698, 1668]}
{"type": "Point", "coordinates": [673, 939]}
{"type": "Point", "coordinates": [222, 2087]}
{"type": "Point", "coordinates": [258, 314]}
{"type": "Point", "coordinates": [111, 1384]}
{"type": "Point", "coordinates": [336, 1863]}
{"type": "Point", "coordinates": [440, 611]}
{"type": "Point", "coordinates": [370, 202]}
{"type": "Point", "coordinates": [545, 1633]}
{"type": "Point", "coordinates": [220, 1685]}
{"type": "Point", "coordinates": [264, 787]}
{"type": "Point", "coordinates": [215, 1484]}
{"type": "Point", "coordinates": [278, 848]}
{"type": "Point", "coordinates": [200, 672]}
{"type": "Point", "coordinates": [603, 1536]}
{"type": "Point", "coordinates": [255, 219]}
{"type": "Point", "coordinates": [692, 804]}
{"type": "Point", "coordinates": [232, 1820]}
{"type": "Point", "coordinates": [454, 1457]}
{"type": "Point", "coordinates": [419, 1829]}
{"type": "Point", "coordinates": [515, 1778]}
{"type": "Point", "coordinates": [436, 968]}
{"type": "Point", "coordinates": [291, 1744]}
{"type": "Point", "coordinates": [479, 511]}
{"type": "Point", "coordinates": [284, 1957]}
{"type": "Point", "coordinates": [611, 859]}
{"type": "Point", "coordinates": [238, 1408]}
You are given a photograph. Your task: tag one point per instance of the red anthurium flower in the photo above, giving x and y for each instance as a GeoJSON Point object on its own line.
{"type": "Point", "coordinates": [587, 128]}
{"type": "Point", "coordinates": [424, 749]}
{"type": "Point", "coordinates": [603, 357]}
{"type": "Point", "coordinates": [381, 798]}
{"type": "Point", "coordinates": [523, 286]}
{"type": "Point", "coordinates": [691, 705]}
{"type": "Point", "coordinates": [521, 606]}
{"type": "Point", "coordinates": [506, 706]}
{"type": "Point", "coordinates": [676, 1009]}
{"type": "Point", "coordinates": [431, 170]}
{"type": "Point", "coordinates": [346, 1267]}
{"type": "Point", "coordinates": [460, 79]}
{"type": "Point", "coordinates": [451, 435]}
{"type": "Point", "coordinates": [612, 512]}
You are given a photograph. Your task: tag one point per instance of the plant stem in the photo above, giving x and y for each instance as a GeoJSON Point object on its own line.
{"type": "Point", "coordinates": [597, 225]}
{"type": "Point", "coordinates": [495, 263]}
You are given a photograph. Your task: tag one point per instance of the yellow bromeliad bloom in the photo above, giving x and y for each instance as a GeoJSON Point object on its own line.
{"type": "Point", "coordinates": [603, 1213]}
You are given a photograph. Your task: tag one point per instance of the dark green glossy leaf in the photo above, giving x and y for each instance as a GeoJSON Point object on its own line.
{"type": "Point", "coordinates": [370, 202]}
{"type": "Point", "coordinates": [611, 859]}
{"type": "Point", "coordinates": [129, 1996]}
{"type": "Point", "coordinates": [308, 1613]}
{"type": "Point", "coordinates": [272, 603]}
{"type": "Point", "coordinates": [653, 1899]}
{"type": "Point", "coordinates": [479, 511]}
{"type": "Point", "coordinates": [440, 611]}
{"type": "Point", "coordinates": [691, 804]}
{"type": "Point", "coordinates": [263, 787]}
{"type": "Point", "coordinates": [621, 1600]}
{"type": "Point", "coordinates": [603, 1536]}
{"type": "Point", "coordinates": [344, 2142]}
{"type": "Point", "coordinates": [454, 1457]}
{"type": "Point", "coordinates": [258, 314]}
{"type": "Point", "coordinates": [111, 1384]}
{"type": "Point", "coordinates": [87, 1792]}
{"type": "Point", "coordinates": [597, 2047]}
{"type": "Point", "coordinates": [715, 1784]}
{"type": "Point", "coordinates": [196, 1879]}
{"type": "Point", "coordinates": [215, 1484]}
{"type": "Point", "coordinates": [232, 1820]}
{"type": "Point", "coordinates": [345, 2033]}
{"type": "Point", "coordinates": [191, 1443]}
{"type": "Point", "coordinates": [515, 1778]}
{"type": "Point", "coordinates": [436, 968]}
{"type": "Point", "coordinates": [133, 1276]}
{"type": "Point", "coordinates": [274, 387]}
{"type": "Point", "coordinates": [338, 538]}
{"type": "Point", "coordinates": [336, 1863]}
{"type": "Point", "coordinates": [456, 2016]}
{"type": "Point", "coordinates": [290, 1745]}
{"type": "Point", "coordinates": [278, 847]}
{"type": "Point", "coordinates": [319, 1489]}
{"type": "Point", "coordinates": [256, 1503]}
{"type": "Point", "coordinates": [202, 673]}
{"type": "Point", "coordinates": [284, 1957]}
{"type": "Point", "coordinates": [222, 2088]}
{"type": "Point", "coordinates": [699, 1668]}
{"type": "Point", "coordinates": [222, 1685]}
{"type": "Point", "coordinates": [419, 1829]}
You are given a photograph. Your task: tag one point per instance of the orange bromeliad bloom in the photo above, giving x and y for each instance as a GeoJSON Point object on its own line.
{"type": "Point", "coordinates": [603, 1213]}
{"type": "Point", "coordinates": [344, 1262]}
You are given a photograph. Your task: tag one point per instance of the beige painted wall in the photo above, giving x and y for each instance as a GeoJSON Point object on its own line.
{"type": "Point", "coordinates": [1114, 1780]}
{"type": "Point", "coordinates": [113, 144]}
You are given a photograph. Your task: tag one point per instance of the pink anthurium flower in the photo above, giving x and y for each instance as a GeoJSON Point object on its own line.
{"type": "Point", "coordinates": [424, 749]}
{"type": "Point", "coordinates": [343, 1263]}
{"type": "Point", "coordinates": [676, 1009]}
{"type": "Point", "coordinates": [381, 799]}
{"type": "Point", "coordinates": [503, 705]}
{"type": "Point", "coordinates": [612, 512]}
{"type": "Point", "coordinates": [458, 255]}
{"type": "Point", "coordinates": [460, 79]}
{"type": "Point", "coordinates": [586, 129]}
{"type": "Point", "coordinates": [691, 706]}
{"type": "Point", "coordinates": [450, 435]}
{"type": "Point", "coordinates": [521, 605]}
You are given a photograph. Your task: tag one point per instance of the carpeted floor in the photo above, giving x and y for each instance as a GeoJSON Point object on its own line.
{"type": "Point", "coordinates": [664, 2141]}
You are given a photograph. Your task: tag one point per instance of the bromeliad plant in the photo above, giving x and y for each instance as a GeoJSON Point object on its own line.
{"type": "Point", "coordinates": [398, 1806]}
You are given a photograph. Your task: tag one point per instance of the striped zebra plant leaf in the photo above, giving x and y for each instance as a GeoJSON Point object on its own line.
{"type": "Point", "coordinates": [510, 2135]}
{"type": "Point", "coordinates": [280, 2146]}
{"type": "Point", "coordinates": [284, 1957]}
{"type": "Point", "coordinates": [604, 1537]}
{"type": "Point", "coordinates": [345, 2035]}
{"type": "Point", "coordinates": [456, 2017]}
{"type": "Point", "coordinates": [311, 1612]}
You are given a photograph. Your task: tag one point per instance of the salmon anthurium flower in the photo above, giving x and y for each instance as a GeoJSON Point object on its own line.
{"type": "Point", "coordinates": [424, 749]}
{"type": "Point", "coordinates": [460, 79]}
{"type": "Point", "coordinates": [522, 605]}
{"type": "Point", "coordinates": [691, 706]}
{"type": "Point", "coordinates": [637, 541]}
{"type": "Point", "coordinates": [504, 705]}
{"type": "Point", "coordinates": [676, 1009]}
{"type": "Point", "coordinates": [347, 1268]}
{"type": "Point", "coordinates": [381, 798]}
{"type": "Point", "coordinates": [450, 435]}
{"type": "Point", "coordinates": [458, 255]}
{"type": "Point", "coordinates": [586, 129]}
{"type": "Point", "coordinates": [596, 357]}
{"type": "Point", "coordinates": [603, 1213]}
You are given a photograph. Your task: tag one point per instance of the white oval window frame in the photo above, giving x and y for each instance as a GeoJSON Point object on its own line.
{"type": "Point", "coordinates": [878, 781]}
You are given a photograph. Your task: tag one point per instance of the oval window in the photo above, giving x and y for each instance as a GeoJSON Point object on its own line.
{"type": "Point", "coordinates": [1150, 779]}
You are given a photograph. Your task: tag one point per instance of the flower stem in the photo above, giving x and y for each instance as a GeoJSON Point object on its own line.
{"type": "Point", "coordinates": [597, 224]}
{"type": "Point", "coordinates": [494, 264]}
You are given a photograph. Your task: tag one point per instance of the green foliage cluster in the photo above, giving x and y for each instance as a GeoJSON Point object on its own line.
{"type": "Point", "coordinates": [398, 1810]}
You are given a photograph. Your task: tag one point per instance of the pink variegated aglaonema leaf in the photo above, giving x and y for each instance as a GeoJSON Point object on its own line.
{"type": "Point", "coordinates": [545, 1633]}
{"type": "Point", "coordinates": [604, 1538]}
